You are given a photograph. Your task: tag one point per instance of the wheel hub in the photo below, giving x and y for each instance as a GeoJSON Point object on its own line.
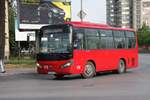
{"type": "Point", "coordinates": [89, 69]}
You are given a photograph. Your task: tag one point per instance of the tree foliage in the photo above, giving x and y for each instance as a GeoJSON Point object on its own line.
{"type": "Point", "coordinates": [2, 28]}
{"type": "Point", "coordinates": [13, 43]}
{"type": "Point", "coordinates": [144, 36]}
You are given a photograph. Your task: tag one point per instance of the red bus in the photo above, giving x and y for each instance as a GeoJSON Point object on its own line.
{"type": "Point", "coordinates": [85, 48]}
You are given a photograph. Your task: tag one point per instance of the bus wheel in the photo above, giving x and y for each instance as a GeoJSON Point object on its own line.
{"type": "Point", "coordinates": [121, 67]}
{"type": "Point", "coordinates": [59, 76]}
{"type": "Point", "coordinates": [89, 70]}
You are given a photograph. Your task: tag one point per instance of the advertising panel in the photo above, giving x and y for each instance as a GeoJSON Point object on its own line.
{"type": "Point", "coordinates": [33, 14]}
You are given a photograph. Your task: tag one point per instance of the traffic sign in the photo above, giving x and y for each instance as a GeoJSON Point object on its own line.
{"type": "Point", "coordinates": [81, 14]}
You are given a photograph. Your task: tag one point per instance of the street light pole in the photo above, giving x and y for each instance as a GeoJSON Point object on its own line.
{"type": "Point", "coordinates": [81, 15]}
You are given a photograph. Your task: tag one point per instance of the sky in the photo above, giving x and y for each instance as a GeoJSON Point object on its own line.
{"type": "Point", "coordinates": [95, 10]}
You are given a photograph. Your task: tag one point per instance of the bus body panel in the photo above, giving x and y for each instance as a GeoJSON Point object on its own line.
{"type": "Point", "coordinates": [55, 66]}
{"type": "Point", "coordinates": [104, 60]}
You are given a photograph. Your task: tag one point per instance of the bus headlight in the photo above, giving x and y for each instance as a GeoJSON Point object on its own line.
{"type": "Point", "coordinates": [68, 64]}
{"type": "Point", "coordinates": [38, 65]}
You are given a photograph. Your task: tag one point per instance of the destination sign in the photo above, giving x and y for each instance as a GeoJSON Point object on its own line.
{"type": "Point", "coordinates": [53, 31]}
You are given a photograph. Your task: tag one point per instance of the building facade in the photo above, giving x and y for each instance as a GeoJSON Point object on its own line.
{"type": "Point", "coordinates": [124, 13]}
{"type": "Point", "coordinates": [146, 13]}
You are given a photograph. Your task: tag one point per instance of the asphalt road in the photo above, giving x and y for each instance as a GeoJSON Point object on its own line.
{"type": "Point", "coordinates": [25, 84]}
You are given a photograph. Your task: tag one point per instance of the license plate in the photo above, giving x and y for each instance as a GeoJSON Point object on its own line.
{"type": "Point", "coordinates": [51, 73]}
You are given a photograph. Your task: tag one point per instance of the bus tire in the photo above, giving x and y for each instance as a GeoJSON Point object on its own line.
{"type": "Point", "coordinates": [89, 70]}
{"type": "Point", "coordinates": [121, 67]}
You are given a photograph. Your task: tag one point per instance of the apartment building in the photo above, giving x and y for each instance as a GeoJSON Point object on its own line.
{"type": "Point", "coordinates": [146, 13]}
{"type": "Point", "coordinates": [124, 13]}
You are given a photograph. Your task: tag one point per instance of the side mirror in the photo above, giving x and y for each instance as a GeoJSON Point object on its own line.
{"type": "Point", "coordinates": [75, 45]}
{"type": "Point", "coordinates": [69, 48]}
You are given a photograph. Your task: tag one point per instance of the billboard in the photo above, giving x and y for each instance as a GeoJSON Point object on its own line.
{"type": "Point", "coordinates": [33, 14]}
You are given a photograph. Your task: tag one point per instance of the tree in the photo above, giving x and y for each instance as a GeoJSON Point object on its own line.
{"type": "Point", "coordinates": [12, 14]}
{"type": "Point", "coordinates": [144, 36]}
{"type": "Point", "coordinates": [13, 43]}
{"type": "Point", "coordinates": [2, 28]}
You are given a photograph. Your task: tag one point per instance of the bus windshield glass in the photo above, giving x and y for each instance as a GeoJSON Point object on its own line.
{"type": "Point", "coordinates": [55, 41]}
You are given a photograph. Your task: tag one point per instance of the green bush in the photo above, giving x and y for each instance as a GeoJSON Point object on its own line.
{"type": "Point", "coordinates": [22, 60]}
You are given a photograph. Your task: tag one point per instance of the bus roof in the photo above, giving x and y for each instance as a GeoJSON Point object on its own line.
{"type": "Point", "coordinates": [93, 25]}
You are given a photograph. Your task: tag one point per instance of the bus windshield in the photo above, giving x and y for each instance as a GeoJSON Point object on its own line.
{"type": "Point", "coordinates": [55, 40]}
{"type": "Point", "coordinates": [55, 43]}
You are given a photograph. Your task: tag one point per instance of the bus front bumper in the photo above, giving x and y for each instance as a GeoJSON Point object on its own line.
{"type": "Point", "coordinates": [66, 68]}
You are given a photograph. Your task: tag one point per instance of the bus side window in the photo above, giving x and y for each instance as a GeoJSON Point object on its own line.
{"type": "Point", "coordinates": [106, 41]}
{"type": "Point", "coordinates": [78, 39]}
{"type": "Point", "coordinates": [131, 40]}
{"type": "Point", "coordinates": [92, 39]}
{"type": "Point", "coordinates": [119, 38]}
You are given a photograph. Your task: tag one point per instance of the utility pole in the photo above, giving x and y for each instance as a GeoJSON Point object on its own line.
{"type": "Point", "coordinates": [2, 34]}
{"type": "Point", "coordinates": [81, 11]}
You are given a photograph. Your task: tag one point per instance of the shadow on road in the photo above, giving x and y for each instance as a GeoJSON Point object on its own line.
{"type": "Point", "coordinates": [98, 75]}
{"type": "Point", "coordinates": [32, 75]}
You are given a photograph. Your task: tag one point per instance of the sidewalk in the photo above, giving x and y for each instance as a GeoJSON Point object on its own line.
{"type": "Point", "coordinates": [17, 70]}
